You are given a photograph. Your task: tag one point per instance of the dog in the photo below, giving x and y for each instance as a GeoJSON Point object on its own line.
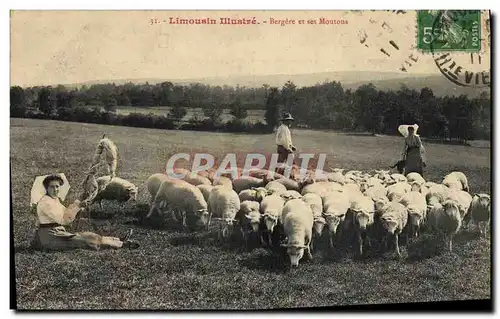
{"type": "Point", "coordinates": [400, 166]}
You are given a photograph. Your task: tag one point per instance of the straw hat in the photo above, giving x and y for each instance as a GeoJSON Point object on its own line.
{"type": "Point", "coordinates": [403, 129]}
{"type": "Point", "coordinates": [287, 117]}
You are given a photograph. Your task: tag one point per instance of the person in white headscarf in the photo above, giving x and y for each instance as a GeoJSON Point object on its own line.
{"type": "Point", "coordinates": [413, 152]}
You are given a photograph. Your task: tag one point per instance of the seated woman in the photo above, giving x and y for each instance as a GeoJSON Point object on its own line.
{"type": "Point", "coordinates": [52, 216]}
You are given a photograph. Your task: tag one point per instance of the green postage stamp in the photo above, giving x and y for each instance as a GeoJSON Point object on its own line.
{"type": "Point", "coordinates": [449, 30]}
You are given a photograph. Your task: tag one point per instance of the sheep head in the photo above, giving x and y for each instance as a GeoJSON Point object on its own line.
{"type": "Point", "coordinates": [318, 225]}
{"type": "Point", "coordinates": [295, 252]}
{"type": "Point", "coordinates": [253, 218]}
{"type": "Point", "coordinates": [271, 221]}
{"type": "Point", "coordinates": [260, 193]}
{"type": "Point", "coordinates": [484, 199]}
{"type": "Point", "coordinates": [203, 217]}
{"type": "Point", "coordinates": [416, 186]}
{"type": "Point", "coordinates": [132, 192]}
{"type": "Point", "coordinates": [333, 221]}
{"type": "Point", "coordinates": [451, 208]}
{"type": "Point", "coordinates": [380, 203]}
{"type": "Point", "coordinates": [362, 219]}
{"type": "Point", "coordinates": [389, 223]}
{"type": "Point", "coordinates": [227, 227]}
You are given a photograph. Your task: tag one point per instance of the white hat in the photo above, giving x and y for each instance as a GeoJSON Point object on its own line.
{"type": "Point", "coordinates": [403, 129]}
{"type": "Point", "coordinates": [38, 190]}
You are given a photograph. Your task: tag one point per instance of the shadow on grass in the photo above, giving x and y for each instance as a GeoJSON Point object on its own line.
{"type": "Point", "coordinates": [266, 260]}
{"type": "Point", "coordinates": [111, 210]}
{"type": "Point", "coordinates": [430, 245]}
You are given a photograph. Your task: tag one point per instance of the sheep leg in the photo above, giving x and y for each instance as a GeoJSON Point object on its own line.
{"type": "Point", "coordinates": [209, 220]}
{"type": "Point", "coordinates": [332, 246]}
{"type": "Point", "coordinates": [450, 240]}
{"type": "Point", "coordinates": [396, 243]}
{"type": "Point", "coordinates": [184, 225]}
{"type": "Point", "coordinates": [486, 228]}
{"type": "Point", "coordinates": [360, 244]}
{"type": "Point", "coordinates": [308, 252]}
{"type": "Point", "coordinates": [174, 216]}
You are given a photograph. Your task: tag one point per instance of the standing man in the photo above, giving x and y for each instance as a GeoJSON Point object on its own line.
{"type": "Point", "coordinates": [284, 138]}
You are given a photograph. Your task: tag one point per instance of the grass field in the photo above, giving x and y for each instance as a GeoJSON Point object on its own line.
{"type": "Point", "coordinates": [176, 270]}
{"type": "Point", "coordinates": [253, 115]}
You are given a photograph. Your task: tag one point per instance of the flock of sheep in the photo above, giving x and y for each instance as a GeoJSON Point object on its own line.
{"type": "Point", "coordinates": [355, 207]}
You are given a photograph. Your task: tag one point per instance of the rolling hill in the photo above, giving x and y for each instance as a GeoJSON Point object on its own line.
{"type": "Point", "coordinates": [349, 79]}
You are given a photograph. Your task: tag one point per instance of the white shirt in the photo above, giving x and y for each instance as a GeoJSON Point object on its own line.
{"type": "Point", "coordinates": [50, 210]}
{"type": "Point", "coordinates": [283, 137]}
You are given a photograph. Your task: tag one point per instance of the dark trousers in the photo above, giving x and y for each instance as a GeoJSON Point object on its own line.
{"type": "Point", "coordinates": [282, 154]}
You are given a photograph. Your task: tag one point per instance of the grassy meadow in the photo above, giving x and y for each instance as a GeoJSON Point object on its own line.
{"type": "Point", "coordinates": [177, 270]}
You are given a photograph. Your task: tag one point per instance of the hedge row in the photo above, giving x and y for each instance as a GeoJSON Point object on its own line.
{"type": "Point", "coordinates": [96, 116]}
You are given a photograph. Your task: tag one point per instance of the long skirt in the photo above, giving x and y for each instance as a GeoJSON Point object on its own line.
{"type": "Point", "coordinates": [414, 161]}
{"type": "Point", "coordinates": [57, 238]}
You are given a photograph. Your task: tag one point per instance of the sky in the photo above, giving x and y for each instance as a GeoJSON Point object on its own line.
{"type": "Point", "coordinates": [62, 47]}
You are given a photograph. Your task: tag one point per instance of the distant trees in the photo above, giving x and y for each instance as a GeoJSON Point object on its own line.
{"type": "Point", "coordinates": [17, 102]}
{"type": "Point", "coordinates": [325, 105]}
{"type": "Point", "coordinates": [238, 110]}
{"type": "Point", "coordinates": [272, 107]}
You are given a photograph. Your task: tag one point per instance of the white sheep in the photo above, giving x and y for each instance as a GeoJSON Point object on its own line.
{"type": "Point", "coordinates": [463, 199]}
{"type": "Point", "coordinates": [253, 194]}
{"type": "Point", "coordinates": [429, 184]}
{"type": "Point", "coordinates": [392, 219]}
{"type": "Point", "coordinates": [316, 204]}
{"type": "Point", "coordinates": [289, 183]}
{"type": "Point", "coordinates": [445, 220]}
{"type": "Point", "coordinates": [336, 177]}
{"type": "Point", "coordinates": [297, 226]}
{"type": "Point", "coordinates": [118, 189]}
{"type": "Point", "coordinates": [321, 187]}
{"type": "Point", "coordinates": [396, 191]}
{"type": "Point", "coordinates": [438, 191]}
{"type": "Point", "coordinates": [416, 206]}
{"type": "Point", "coordinates": [224, 203]}
{"type": "Point", "coordinates": [417, 187]}
{"type": "Point", "coordinates": [290, 194]}
{"type": "Point", "coordinates": [361, 218]}
{"type": "Point", "coordinates": [275, 187]}
{"type": "Point", "coordinates": [335, 207]}
{"type": "Point", "coordinates": [205, 190]}
{"type": "Point", "coordinates": [249, 217]}
{"type": "Point", "coordinates": [153, 183]}
{"type": "Point", "coordinates": [375, 192]}
{"type": "Point", "coordinates": [271, 208]}
{"type": "Point", "coordinates": [247, 182]}
{"type": "Point", "coordinates": [456, 181]}
{"type": "Point", "coordinates": [183, 199]}
{"type": "Point", "coordinates": [415, 177]}
{"type": "Point", "coordinates": [195, 179]}
{"type": "Point", "coordinates": [222, 180]}
{"type": "Point", "coordinates": [479, 211]}
{"type": "Point", "coordinates": [209, 173]}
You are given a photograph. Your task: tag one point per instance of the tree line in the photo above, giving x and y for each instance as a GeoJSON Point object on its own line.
{"type": "Point", "coordinates": [322, 106]}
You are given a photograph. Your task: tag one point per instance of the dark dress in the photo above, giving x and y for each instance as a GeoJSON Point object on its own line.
{"type": "Point", "coordinates": [413, 155]}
